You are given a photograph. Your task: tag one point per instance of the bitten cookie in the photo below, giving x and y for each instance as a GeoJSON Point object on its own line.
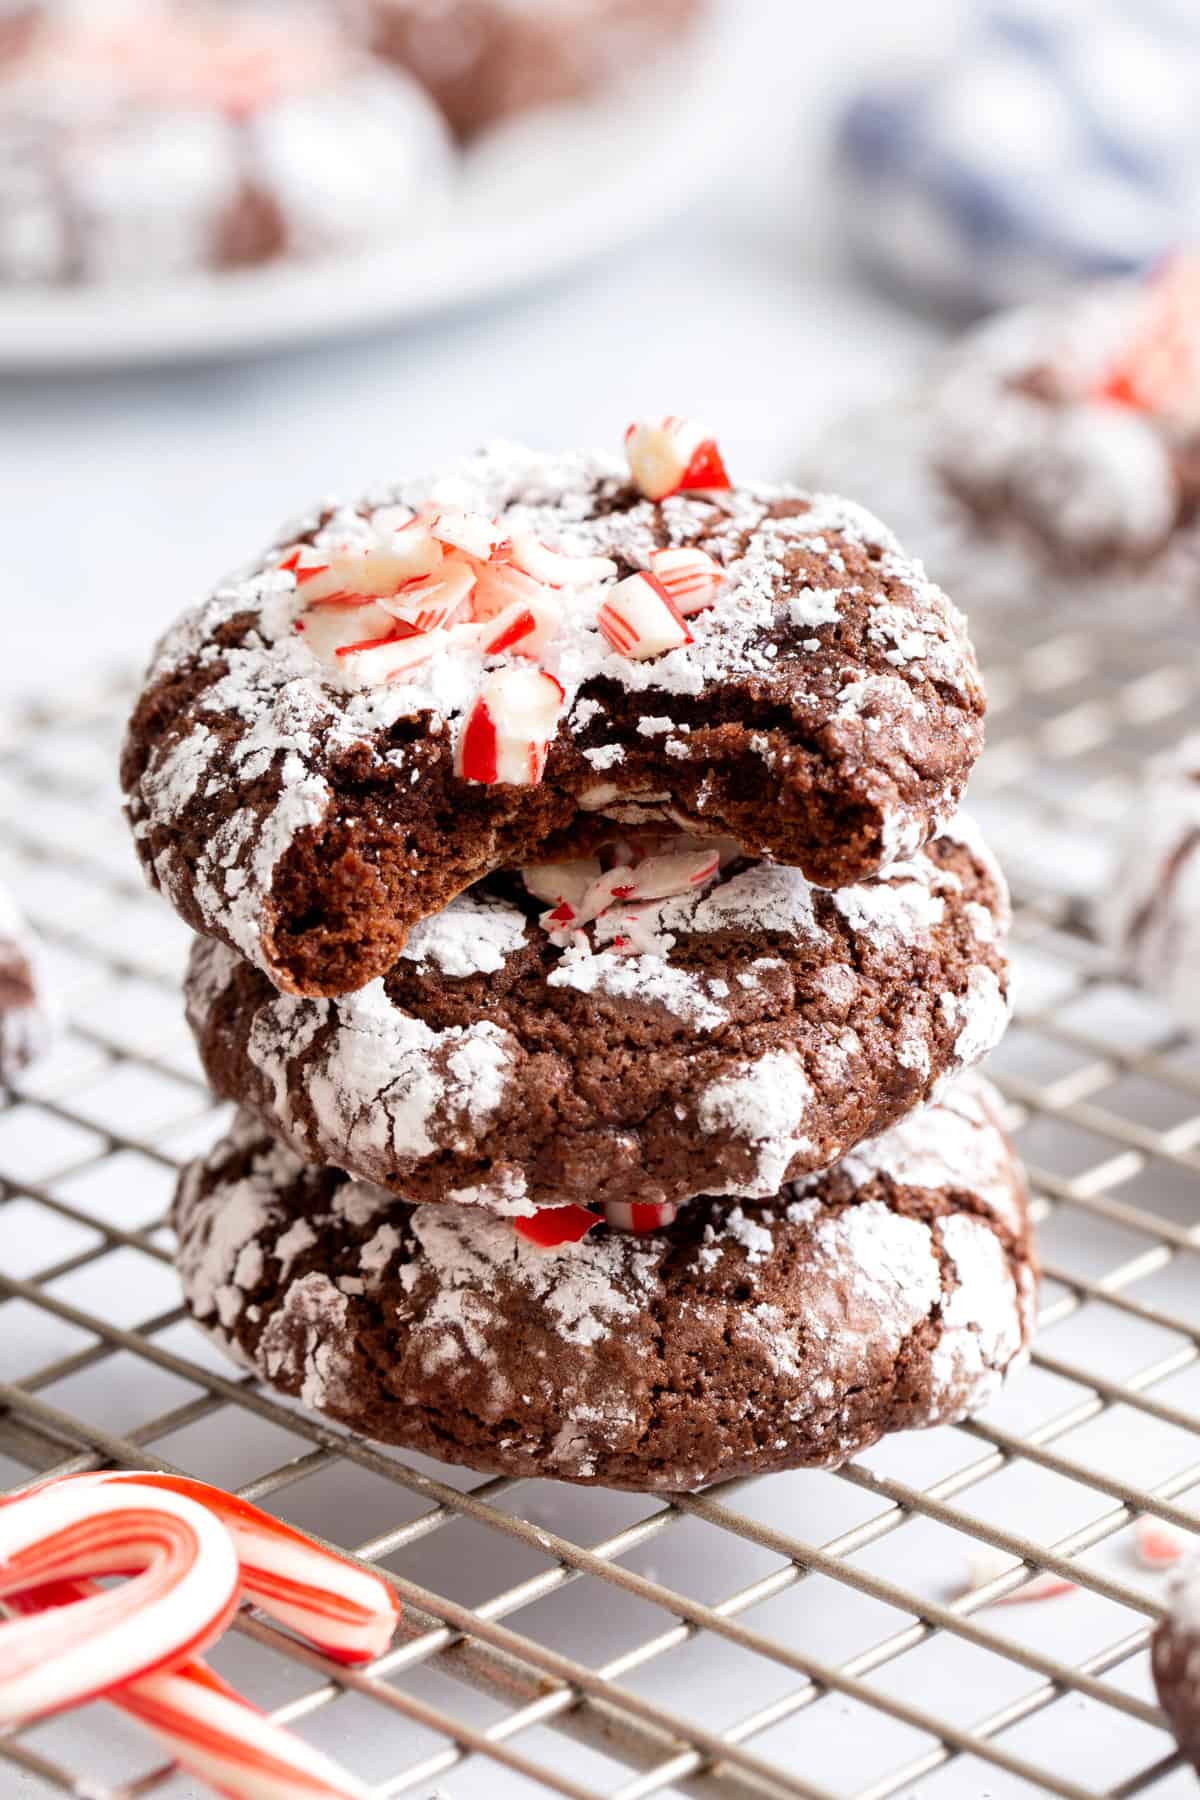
{"type": "Point", "coordinates": [24, 1022]}
{"type": "Point", "coordinates": [894, 1290]}
{"type": "Point", "coordinates": [1150, 915]}
{"type": "Point", "coordinates": [140, 142]}
{"type": "Point", "coordinates": [477, 671]}
{"type": "Point", "coordinates": [670, 1027]}
{"type": "Point", "coordinates": [1175, 1659]}
{"type": "Point", "coordinates": [1053, 454]}
{"type": "Point", "coordinates": [487, 61]}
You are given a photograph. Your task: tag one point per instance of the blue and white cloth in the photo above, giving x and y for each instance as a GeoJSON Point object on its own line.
{"type": "Point", "coordinates": [1056, 139]}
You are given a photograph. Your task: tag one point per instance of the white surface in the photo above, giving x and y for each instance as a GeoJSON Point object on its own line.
{"type": "Point", "coordinates": [126, 495]}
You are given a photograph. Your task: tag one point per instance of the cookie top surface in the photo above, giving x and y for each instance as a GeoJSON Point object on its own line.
{"type": "Point", "coordinates": [1150, 914]}
{"type": "Point", "coordinates": [825, 709]}
{"type": "Point", "coordinates": [720, 1040]}
{"type": "Point", "coordinates": [24, 1022]}
{"type": "Point", "coordinates": [158, 140]}
{"type": "Point", "coordinates": [893, 1291]}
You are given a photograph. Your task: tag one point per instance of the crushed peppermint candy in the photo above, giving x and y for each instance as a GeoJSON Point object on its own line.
{"type": "Point", "coordinates": [673, 456]}
{"type": "Point", "coordinates": [1158, 370]}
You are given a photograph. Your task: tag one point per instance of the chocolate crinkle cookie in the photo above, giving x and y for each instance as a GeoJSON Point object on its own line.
{"type": "Point", "coordinates": [662, 1020]}
{"type": "Point", "coordinates": [147, 140]}
{"type": "Point", "coordinates": [489, 61]}
{"type": "Point", "coordinates": [25, 1025]}
{"type": "Point", "coordinates": [1053, 454]}
{"type": "Point", "coordinates": [1175, 1659]}
{"type": "Point", "coordinates": [1150, 914]}
{"type": "Point", "coordinates": [894, 1290]}
{"type": "Point", "coordinates": [487, 669]}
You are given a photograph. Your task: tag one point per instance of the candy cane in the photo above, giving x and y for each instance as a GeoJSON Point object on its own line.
{"type": "Point", "coordinates": [347, 1612]}
{"type": "Point", "coordinates": [181, 1599]}
{"type": "Point", "coordinates": [211, 1731]}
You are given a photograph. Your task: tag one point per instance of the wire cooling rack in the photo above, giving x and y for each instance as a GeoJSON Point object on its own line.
{"type": "Point", "coordinates": [802, 1635]}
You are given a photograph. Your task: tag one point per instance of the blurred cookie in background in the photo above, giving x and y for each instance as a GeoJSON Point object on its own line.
{"type": "Point", "coordinates": [25, 1024]}
{"type": "Point", "coordinates": [1051, 457]}
{"type": "Point", "coordinates": [1053, 140]}
{"type": "Point", "coordinates": [489, 61]}
{"type": "Point", "coordinates": [1150, 916]}
{"type": "Point", "coordinates": [152, 140]}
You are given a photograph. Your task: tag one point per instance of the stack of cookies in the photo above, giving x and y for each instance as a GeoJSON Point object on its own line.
{"type": "Point", "coordinates": [590, 939]}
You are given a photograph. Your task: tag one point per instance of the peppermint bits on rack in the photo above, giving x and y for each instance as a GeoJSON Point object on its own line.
{"type": "Point", "coordinates": [673, 456]}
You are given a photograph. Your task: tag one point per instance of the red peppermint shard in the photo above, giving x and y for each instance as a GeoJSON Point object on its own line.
{"type": "Point", "coordinates": [674, 456]}
{"type": "Point", "coordinates": [640, 619]}
{"type": "Point", "coordinates": [691, 577]}
{"type": "Point", "coordinates": [551, 1226]}
{"type": "Point", "coordinates": [1159, 371]}
{"type": "Point", "coordinates": [508, 729]}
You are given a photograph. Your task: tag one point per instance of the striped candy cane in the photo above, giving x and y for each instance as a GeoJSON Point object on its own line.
{"type": "Point", "coordinates": [179, 1601]}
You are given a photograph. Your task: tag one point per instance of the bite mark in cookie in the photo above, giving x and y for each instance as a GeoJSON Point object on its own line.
{"type": "Point", "coordinates": [308, 794]}
{"type": "Point", "coordinates": [661, 1021]}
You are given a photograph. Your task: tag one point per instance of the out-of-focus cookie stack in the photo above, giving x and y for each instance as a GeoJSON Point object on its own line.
{"type": "Point", "coordinates": [590, 938]}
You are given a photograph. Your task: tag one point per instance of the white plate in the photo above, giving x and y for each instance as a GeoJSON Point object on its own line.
{"type": "Point", "coordinates": [534, 199]}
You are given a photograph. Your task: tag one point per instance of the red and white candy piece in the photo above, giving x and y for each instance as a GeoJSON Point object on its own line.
{"type": "Point", "coordinates": [639, 618]}
{"type": "Point", "coordinates": [372, 570]}
{"type": "Point", "coordinates": [180, 1600]}
{"type": "Point", "coordinates": [987, 1565]}
{"type": "Point", "coordinates": [691, 577]}
{"type": "Point", "coordinates": [499, 586]}
{"type": "Point", "coordinates": [508, 729]}
{"type": "Point", "coordinates": [431, 601]}
{"type": "Point", "coordinates": [673, 456]}
{"type": "Point", "coordinates": [1157, 1544]}
{"type": "Point", "coordinates": [562, 886]}
{"type": "Point", "coordinates": [522, 629]}
{"type": "Point", "coordinates": [640, 1216]}
{"type": "Point", "coordinates": [555, 569]}
{"type": "Point", "coordinates": [372, 661]}
{"type": "Point", "coordinates": [469, 532]}
{"type": "Point", "coordinates": [551, 1226]}
{"type": "Point", "coordinates": [655, 878]}
{"type": "Point", "coordinates": [344, 1610]}
{"type": "Point", "coordinates": [210, 1730]}
{"type": "Point", "coordinates": [328, 629]}
{"type": "Point", "coordinates": [1159, 371]}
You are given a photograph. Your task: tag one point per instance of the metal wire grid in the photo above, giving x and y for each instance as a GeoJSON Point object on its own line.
{"type": "Point", "coordinates": [796, 1635]}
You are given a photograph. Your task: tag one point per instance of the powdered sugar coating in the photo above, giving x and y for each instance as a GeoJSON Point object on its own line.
{"type": "Point", "coordinates": [1016, 499]}
{"type": "Point", "coordinates": [717, 1041]}
{"type": "Point", "coordinates": [160, 140]}
{"type": "Point", "coordinates": [1150, 913]}
{"type": "Point", "coordinates": [823, 1321]}
{"type": "Point", "coordinates": [874, 719]}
